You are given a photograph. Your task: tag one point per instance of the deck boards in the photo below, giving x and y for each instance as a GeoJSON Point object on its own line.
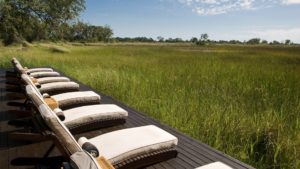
{"type": "Point", "coordinates": [192, 153]}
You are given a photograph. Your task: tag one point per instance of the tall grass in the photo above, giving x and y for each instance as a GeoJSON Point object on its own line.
{"type": "Point", "coordinates": [243, 100]}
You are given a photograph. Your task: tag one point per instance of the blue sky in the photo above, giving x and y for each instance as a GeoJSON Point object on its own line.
{"type": "Point", "coordinates": [221, 19]}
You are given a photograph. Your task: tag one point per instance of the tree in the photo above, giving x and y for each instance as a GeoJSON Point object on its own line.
{"type": "Point", "coordinates": [235, 42]}
{"type": "Point", "coordinates": [160, 39]}
{"type": "Point", "coordinates": [275, 43]}
{"type": "Point", "coordinates": [287, 42]}
{"type": "Point", "coordinates": [203, 39]}
{"type": "Point", "coordinates": [83, 32]}
{"type": "Point", "coordinates": [22, 19]}
{"type": "Point", "coordinates": [194, 40]}
{"type": "Point", "coordinates": [253, 41]}
{"type": "Point", "coordinates": [264, 42]}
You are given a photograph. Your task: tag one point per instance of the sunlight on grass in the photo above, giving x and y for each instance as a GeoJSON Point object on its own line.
{"type": "Point", "coordinates": [242, 100]}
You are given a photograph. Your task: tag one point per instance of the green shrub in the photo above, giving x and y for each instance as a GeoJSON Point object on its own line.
{"type": "Point", "coordinates": [26, 44]}
{"type": "Point", "coordinates": [59, 49]}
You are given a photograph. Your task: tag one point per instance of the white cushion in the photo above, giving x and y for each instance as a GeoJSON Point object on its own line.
{"type": "Point", "coordinates": [44, 80]}
{"type": "Point", "coordinates": [94, 112]}
{"type": "Point", "coordinates": [48, 87]}
{"type": "Point", "coordinates": [39, 70]}
{"type": "Point", "coordinates": [44, 74]}
{"type": "Point", "coordinates": [71, 98]}
{"type": "Point", "coordinates": [127, 143]}
{"type": "Point", "coordinates": [215, 165]}
{"type": "Point", "coordinates": [83, 160]}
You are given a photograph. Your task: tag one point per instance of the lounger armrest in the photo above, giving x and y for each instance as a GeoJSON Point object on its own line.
{"type": "Point", "coordinates": [90, 148]}
{"type": "Point", "coordinates": [60, 114]}
{"type": "Point", "coordinates": [46, 95]}
{"type": "Point", "coordinates": [104, 163]}
{"type": "Point", "coordinates": [52, 103]}
{"type": "Point", "coordinates": [38, 85]}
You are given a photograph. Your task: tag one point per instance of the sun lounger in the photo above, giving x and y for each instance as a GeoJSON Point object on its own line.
{"type": "Point", "coordinates": [128, 148]}
{"type": "Point", "coordinates": [68, 99]}
{"type": "Point", "coordinates": [39, 75]}
{"type": "Point", "coordinates": [51, 88]}
{"type": "Point", "coordinates": [126, 144]}
{"type": "Point", "coordinates": [19, 68]}
{"type": "Point", "coordinates": [215, 165]}
{"type": "Point", "coordinates": [85, 118]}
{"type": "Point", "coordinates": [42, 75]}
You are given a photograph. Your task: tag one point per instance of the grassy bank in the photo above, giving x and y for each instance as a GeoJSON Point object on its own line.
{"type": "Point", "coordinates": [242, 100]}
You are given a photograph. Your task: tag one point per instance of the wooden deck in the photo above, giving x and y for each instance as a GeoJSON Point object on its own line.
{"type": "Point", "coordinates": [192, 153]}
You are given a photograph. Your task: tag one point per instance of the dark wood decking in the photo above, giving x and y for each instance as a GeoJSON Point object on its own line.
{"type": "Point", "coordinates": [191, 154]}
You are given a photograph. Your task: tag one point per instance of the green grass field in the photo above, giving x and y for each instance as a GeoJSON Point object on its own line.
{"type": "Point", "coordinates": [242, 100]}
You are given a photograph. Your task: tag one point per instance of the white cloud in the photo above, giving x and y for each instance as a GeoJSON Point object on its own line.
{"type": "Point", "coordinates": [289, 2]}
{"type": "Point", "coordinates": [215, 7]}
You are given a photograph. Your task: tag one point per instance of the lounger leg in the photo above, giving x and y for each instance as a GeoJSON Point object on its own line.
{"type": "Point", "coordinates": [32, 137]}
{"type": "Point", "coordinates": [13, 82]}
{"type": "Point", "coordinates": [49, 151]}
{"type": "Point", "coordinates": [20, 113]}
{"type": "Point", "coordinates": [15, 89]}
{"type": "Point", "coordinates": [15, 96]}
{"type": "Point", "coordinates": [51, 162]}
{"type": "Point", "coordinates": [19, 104]}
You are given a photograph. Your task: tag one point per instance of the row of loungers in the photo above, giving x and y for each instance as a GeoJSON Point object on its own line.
{"type": "Point", "coordinates": [58, 110]}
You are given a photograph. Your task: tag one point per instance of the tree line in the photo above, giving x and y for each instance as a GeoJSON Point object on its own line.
{"type": "Point", "coordinates": [202, 40]}
{"type": "Point", "coordinates": [55, 20]}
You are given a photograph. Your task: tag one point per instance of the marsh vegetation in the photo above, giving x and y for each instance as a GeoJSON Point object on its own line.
{"type": "Point", "coordinates": [242, 100]}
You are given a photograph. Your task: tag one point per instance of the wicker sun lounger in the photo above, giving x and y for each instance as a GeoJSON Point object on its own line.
{"type": "Point", "coordinates": [67, 99]}
{"type": "Point", "coordinates": [84, 118]}
{"type": "Point", "coordinates": [52, 88]}
{"type": "Point", "coordinates": [35, 72]}
{"type": "Point", "coordinates": [41, 75]}
{"type": "Point", "coordinates": [18, 67]}
{"type": "Point", "coordinates": [128, 148]}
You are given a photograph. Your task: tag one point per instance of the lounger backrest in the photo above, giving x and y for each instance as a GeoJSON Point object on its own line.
{"type": "Point", "coordinates": [53, 122]}
{"type": "Point", "coordinates": [34, 95]}
{"type": "Point", "coordinates": [86, 161]}
{"type": "Point", "coordinates": [28, 81]}
{"type": "Point", "coordinates": [19, 68]}
{"type": "Point", "coordinates": [60, 130]}
{"type": "Point", "coordinates": [15, 61]}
